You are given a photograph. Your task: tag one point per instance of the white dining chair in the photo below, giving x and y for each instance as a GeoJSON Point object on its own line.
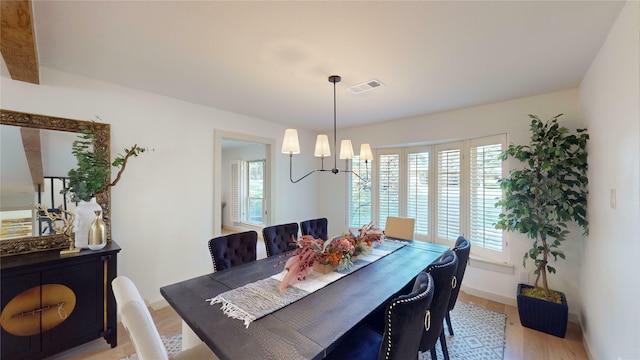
{"type": "Point", "coordinates": [399, 228]}
{"type": "Point", "coordinates": [144, 335]}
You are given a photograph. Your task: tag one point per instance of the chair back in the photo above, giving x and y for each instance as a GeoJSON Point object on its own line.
{"type": "Point", "coordinates": [462, 249]}
{"type": "Point", "coordinates": [233, 249]}
{"type": "Point", "coordinates": [405, 319]}
{"type": "Point", "coordinates": [318, 228]}
{"type": "Point", "coordinates": [137, 320]}
{"type": "Point", "coordinates": [277, 238]}
{"type": "Point", "coordinates": [442, 270]}
{"type": "Point", "coordinates": [399, 228]}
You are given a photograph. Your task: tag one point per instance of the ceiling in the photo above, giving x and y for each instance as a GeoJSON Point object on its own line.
{"type": "Point", "coordinates": [271, 60]}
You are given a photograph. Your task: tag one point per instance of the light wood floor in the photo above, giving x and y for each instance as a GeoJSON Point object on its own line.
{"type": "Point", "coordinates": [521, 343]}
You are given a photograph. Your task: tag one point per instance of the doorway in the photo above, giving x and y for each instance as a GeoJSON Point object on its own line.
{"type": "Point", "coordinates": [243, 183]}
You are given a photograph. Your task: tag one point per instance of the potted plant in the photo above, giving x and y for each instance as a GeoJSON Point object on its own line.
{"type": "Point", "coordinates": [91, 178]}
{"type": "Point", "coordinates": [540, 199]}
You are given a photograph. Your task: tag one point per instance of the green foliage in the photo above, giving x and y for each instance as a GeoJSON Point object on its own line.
{"type": "Point", "coordinates": [93, 173]}
{"type": "Point", "coordinates": [548, 192]}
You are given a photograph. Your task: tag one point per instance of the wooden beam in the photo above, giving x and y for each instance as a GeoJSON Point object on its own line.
{"type": "Point", "coordinates": [17, 40]}
{"type": "Point", "coordinates": [32, 148]}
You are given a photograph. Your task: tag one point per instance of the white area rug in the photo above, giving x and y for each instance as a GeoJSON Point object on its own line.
{"type": "Point", "coordinates": [479, 334]}
{"type": "Point", "coordinates": [173, 345]}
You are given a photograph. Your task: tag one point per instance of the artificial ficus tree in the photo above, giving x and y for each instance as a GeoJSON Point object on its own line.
{"type": "Point", "coordinates": [549, 191]}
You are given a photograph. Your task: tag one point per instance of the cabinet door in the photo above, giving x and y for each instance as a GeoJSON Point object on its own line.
{"type": "Point", "coordinates": [86, 321]}
{"type": "Point", "coordinates": [13, 346]}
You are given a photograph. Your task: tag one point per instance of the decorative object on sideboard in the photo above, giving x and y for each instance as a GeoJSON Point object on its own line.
{"type": "Point", "coordinates": [67, 218]}
{"type": "Point", "coordinates": [541, 197]}
{"type": "Point", "coordinates": [291, 146]}
{"type": "Point", "coordinates": [91, 178]}
{"type": "Point", "coordinates": [84, 212]}
{"type": "Point", "coordinates": [97, 232]}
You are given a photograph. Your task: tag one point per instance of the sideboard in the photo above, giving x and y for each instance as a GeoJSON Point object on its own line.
{"type": "Point", "coordinates": [53, 302]}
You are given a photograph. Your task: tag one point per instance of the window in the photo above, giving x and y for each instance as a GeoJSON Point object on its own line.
{"type": "Point", "coordinates": [359, 194]}
{"type": "Point", "coordinates": [449, 196]}
{"type": "Point", "coordinates": [450, 189]}
{"type": "Point", "coordinates": [255, 192]}
{"type": "Point", "coordinates": [388, 187]}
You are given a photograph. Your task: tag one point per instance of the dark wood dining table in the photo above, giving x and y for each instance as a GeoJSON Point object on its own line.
{"type": "Point", "coordinates": [306, 329]}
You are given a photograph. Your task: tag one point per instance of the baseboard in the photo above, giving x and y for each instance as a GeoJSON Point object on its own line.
{"type": "Point", "coordinates": [506, 300]}
{"type": "Point", "coordinates": [489, 295]}
{"type": "Point", "coordinates": [586, 341]}
{"type": "Point", "coordinates": [156, 305]}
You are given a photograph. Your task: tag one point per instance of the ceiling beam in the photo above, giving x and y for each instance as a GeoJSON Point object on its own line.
{"type": "Point", "coordinates": [17, 41]}
{"type": "Point", "coordinates": [32, 148]}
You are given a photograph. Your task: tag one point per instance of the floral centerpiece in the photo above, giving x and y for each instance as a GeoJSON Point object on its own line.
{"type": "Point", "coordinates": [366, 237]}
{"type": "Point", "coordinates": [325, 256]}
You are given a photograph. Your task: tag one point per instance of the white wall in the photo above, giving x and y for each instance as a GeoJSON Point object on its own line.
{"type": "Point", "coordinates": [162, 209]}
{"type": "Point", "coordinates": [610, 289]}
{"type": "Point", "coordinates": [508, 117]}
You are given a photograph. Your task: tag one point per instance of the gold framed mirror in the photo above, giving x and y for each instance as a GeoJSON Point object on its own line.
{"type": "Point", "coordinates": [102, 133]}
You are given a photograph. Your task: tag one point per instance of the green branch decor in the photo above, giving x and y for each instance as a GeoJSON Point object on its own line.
{"type": "Point", "coordinates": [92, 175]}
{"type": "Point", "coordinates": [547, 193]}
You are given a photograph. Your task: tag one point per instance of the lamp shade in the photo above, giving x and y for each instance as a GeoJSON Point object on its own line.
{"type": "Point", "coordinates": [322, 146]}
{"type": "Point", "coordinates": [290, 143]}
{"type": "Point", "coordinates": [365, 152]}
{"type": "Point", "coordinates": [346, 150]}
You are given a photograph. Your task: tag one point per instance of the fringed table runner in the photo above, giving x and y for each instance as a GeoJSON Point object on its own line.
{"type": "Point", "coordinates": [255, 300]}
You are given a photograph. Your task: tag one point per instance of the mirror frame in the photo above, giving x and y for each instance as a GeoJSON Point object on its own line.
{"type": "Point", "coordinates": [102, 133]}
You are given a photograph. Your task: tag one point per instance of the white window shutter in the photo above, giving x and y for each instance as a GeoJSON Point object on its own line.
{"type": "Point", "coordinates": [236, 190]}
{"type": "Point", "coordinates": [449, 194]}
{"type": "Point", "coordinates": [485, 170]}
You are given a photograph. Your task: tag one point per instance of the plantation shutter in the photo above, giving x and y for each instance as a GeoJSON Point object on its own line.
{"type": "Point", "coordinates": [448, 198]}
{"type": "Point", "coordinates": [418, 190]}
{"type": "Point", "coordinates": [388, 187]}
{"type": "Point", "coordinates": [485, 170]}
{"type": "Point", "coordinates": [236, 190]}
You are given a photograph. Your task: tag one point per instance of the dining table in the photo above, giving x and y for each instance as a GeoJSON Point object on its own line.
{"type": "Point", "coordinates": [308, 328]}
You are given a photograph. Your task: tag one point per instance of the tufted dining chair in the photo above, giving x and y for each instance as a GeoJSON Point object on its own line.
{"type": "Point", "coordinates": [277, 238]}
{"type": "Point", "coordinates": [443, 271]}
{"type": "Point", "coordinates": [144, 335]}
{"type": "Point", "coordinates": [233, 249]}
{"type": "Point", "coordinates": [318, 228]}
{"type": "Point", "coordinates": [462, 249]}
{"type": "Point", "coordinates": [405, 319]}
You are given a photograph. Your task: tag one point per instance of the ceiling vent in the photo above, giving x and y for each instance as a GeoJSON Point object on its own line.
{"type": "Point", "coordinates": [366, 86]}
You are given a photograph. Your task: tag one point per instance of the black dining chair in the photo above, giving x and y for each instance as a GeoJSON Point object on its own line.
{"type": "Point", "coordinates": [405, 318]}
{"type": "Point", "coordinates": [318, 228]}
{"type": "Point", "coordinates": [443, 271]}
{"type": "Point", "coordinates": [277, 238]}
{"type": "Point", "coordinates": [233, 249]}
{"type": "Point", "coordinates": [462, 249]}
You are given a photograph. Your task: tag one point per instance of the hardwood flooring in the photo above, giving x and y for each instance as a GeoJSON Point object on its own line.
{"type": "Point", "coordinates": [521, 343]}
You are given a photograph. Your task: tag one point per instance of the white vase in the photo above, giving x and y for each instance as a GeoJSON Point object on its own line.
{"type": "Point", "coordinates": [85, 213]}
{"type": "Point", "coordinates": [97, 233]}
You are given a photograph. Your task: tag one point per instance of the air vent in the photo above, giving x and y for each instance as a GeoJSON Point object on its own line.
{"type": "Point", "coordinates": [365, 86]}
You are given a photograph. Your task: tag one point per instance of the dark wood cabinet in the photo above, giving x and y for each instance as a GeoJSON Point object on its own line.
{"type": "Point", "coordinates": [39, 291]}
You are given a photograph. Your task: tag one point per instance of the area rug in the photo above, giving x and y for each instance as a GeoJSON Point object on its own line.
{"type": "Point", "coordinates": [173, 345]}
{"type": "Point", "coordinates": [479, 334]}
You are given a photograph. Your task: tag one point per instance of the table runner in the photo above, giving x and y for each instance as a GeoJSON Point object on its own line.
{"type": "Point", "coordinates": [255, 300]}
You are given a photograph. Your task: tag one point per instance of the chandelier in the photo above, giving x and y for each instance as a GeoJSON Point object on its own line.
{"type": "Point", "coordinates": [291, 146]}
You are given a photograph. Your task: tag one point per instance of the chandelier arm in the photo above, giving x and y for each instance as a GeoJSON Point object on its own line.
{"type": "Point", "coordinates": [291, 171]}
